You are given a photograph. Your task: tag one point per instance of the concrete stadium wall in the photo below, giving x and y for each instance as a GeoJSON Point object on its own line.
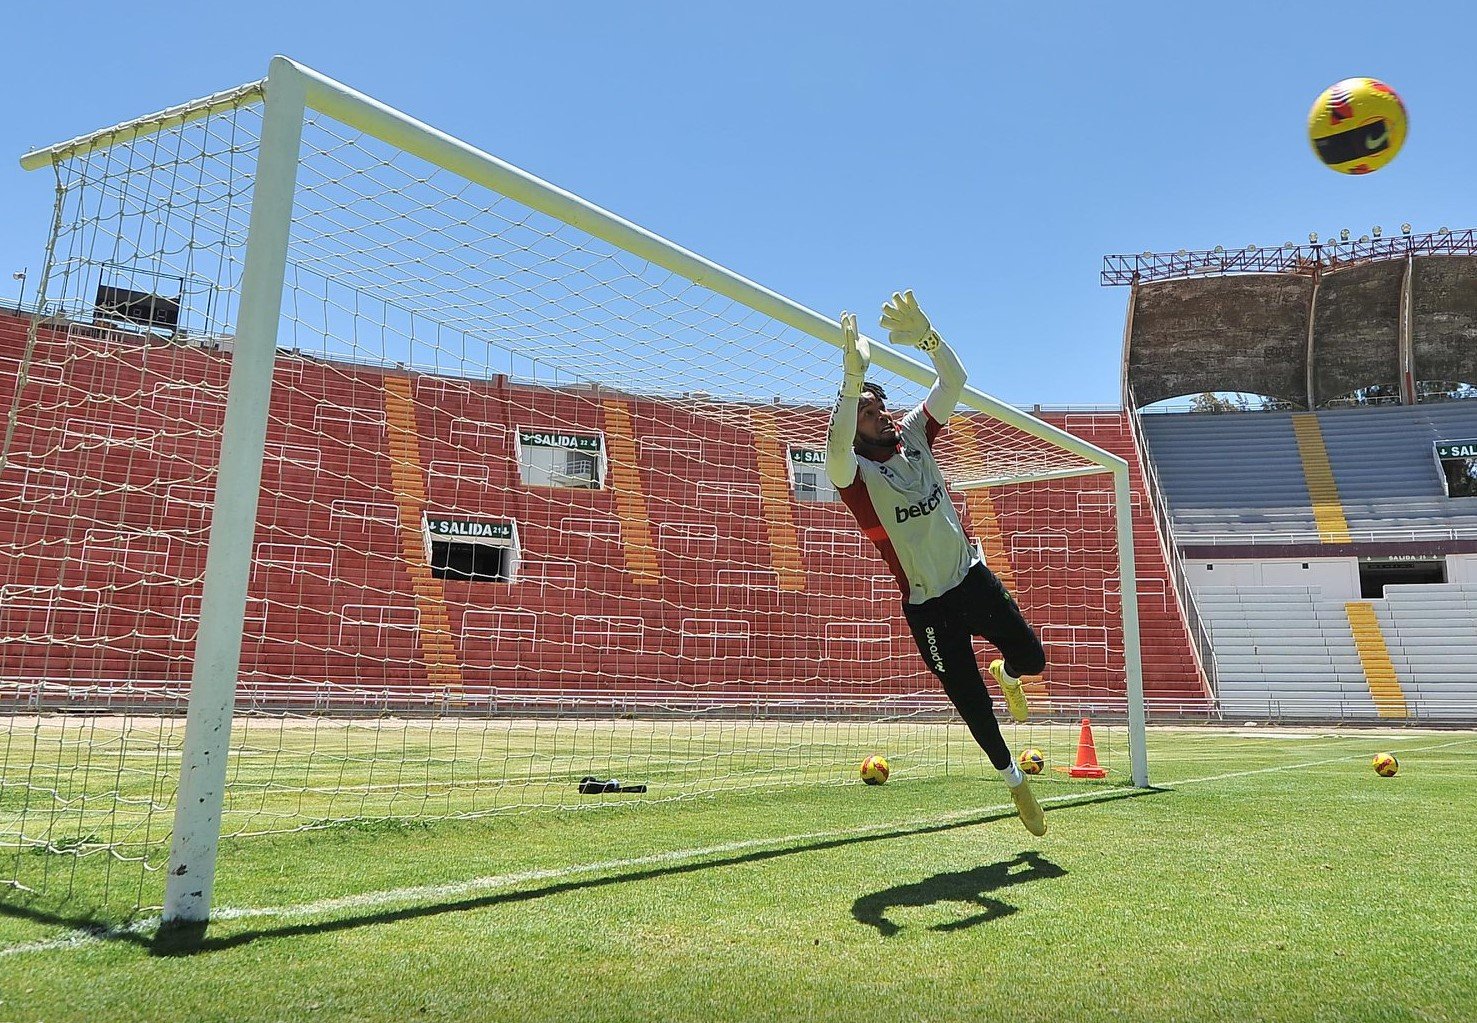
{"type": "Point", "coordinates": [1247, 333]}
{"type": "Point", "coordinates": [1356, 330]}
{"type": "Point", "coordinates": [1251, 332]}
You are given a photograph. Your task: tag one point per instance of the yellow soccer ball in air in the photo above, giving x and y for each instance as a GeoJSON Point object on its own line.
{"type": "Point", "coordinates": [1357, 125]}
{"type": "Point", "coordinates": [875, 769]}
{"type": "Point", "coordinates": [1385, 765]}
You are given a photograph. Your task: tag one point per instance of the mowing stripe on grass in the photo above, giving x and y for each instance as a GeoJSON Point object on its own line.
{"type": "Point", "coordinates": [482, 885]}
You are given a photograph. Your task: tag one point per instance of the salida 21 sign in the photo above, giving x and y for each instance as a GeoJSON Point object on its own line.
{"type": "Point", "coordinates": [468, 529]}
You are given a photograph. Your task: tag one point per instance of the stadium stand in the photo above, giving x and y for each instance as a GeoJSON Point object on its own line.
{"type": "Point", "coordinates": [1432, 634]}
{"type": "Point", "coordinates": [1284, 651]}
{"type": "Point", "coordinates": [1239, 476]}
{"type": "Point", "coordinates": [1266, 497]}
{"type": "Point", "coordinates": [1174, 678]}
{"type": "Point", "coordinates": [1241, 499]}
{"type": "Point", "coordinates": [1230, 476]}
{"type": "Point", "coordinates": [1383, 464]}
{"type": "Point", "coordinates": [1328, 540]}
{"type": "Point", "coordinates": [697, 574]}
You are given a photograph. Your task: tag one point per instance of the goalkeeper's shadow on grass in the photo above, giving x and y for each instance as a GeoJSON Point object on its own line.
{"type": "Point", "coordinates": [171, 941]}
{"type": "Point", "coordinates": [972, 886]}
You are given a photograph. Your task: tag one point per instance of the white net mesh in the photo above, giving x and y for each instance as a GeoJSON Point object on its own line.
{"type": "Point", "coordinates": [557, 509]}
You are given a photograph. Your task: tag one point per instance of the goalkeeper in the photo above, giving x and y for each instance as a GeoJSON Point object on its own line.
{"type": "Point", "coordinates": [886, 474]}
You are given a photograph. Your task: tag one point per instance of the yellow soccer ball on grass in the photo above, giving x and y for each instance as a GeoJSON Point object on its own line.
{"type": "Point", "coordinates": [1031, 761]}
{"type": "Point", "coordinates": [875, 769]}
{"type": "Point", "coordinates": [1385, 765]}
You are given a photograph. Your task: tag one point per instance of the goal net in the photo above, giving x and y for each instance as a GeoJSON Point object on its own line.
{"type": "Point", "coordinates": [444, 489]}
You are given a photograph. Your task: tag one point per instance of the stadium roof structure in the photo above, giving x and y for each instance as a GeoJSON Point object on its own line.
{"type": "Point", "coordinates": [1305, 324]}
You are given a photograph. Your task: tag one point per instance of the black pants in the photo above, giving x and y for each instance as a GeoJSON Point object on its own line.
{"type": "Point", "coordinates": [944, 628]}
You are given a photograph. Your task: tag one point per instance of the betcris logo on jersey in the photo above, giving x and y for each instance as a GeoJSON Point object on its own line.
{"type": "Point", "coordinates": [923, 508]}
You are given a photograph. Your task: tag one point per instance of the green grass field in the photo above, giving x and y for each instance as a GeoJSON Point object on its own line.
{"type": "Point", "coordinates": [1270, 875]}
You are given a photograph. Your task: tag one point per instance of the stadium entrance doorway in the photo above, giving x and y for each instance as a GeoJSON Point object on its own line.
{"type": "Point", "coordinates": [1375, 573]}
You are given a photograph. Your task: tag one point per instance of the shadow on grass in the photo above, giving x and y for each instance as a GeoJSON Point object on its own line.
{"type": "Point", "coordinates": [82, 926]}
{"type": "Point", "coordinates": [972, 886]}
{"type": "Point", "coordinates": [190, 939]}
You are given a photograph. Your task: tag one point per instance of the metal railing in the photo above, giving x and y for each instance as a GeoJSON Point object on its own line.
{"type": "Point", "coordinates": [1184, 596]}
{"type": "Point", "coordinates": [1306, 260]}
{"type": "Point", "coordinates": [168, 697]}
{"type": "Point", "coordinates": [1287, 538]}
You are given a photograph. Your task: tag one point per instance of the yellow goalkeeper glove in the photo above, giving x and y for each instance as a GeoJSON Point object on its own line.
{"type": "Point", "coordinates": [906, 324]}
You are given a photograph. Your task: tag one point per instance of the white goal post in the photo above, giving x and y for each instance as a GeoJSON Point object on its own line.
{"type": "Point", "coordinates": [289, 93]}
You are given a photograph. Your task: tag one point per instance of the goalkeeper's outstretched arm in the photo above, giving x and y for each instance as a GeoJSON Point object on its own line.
{"type": "Point", "coordinates": [907, 324]}
{"type": "Point", "coordinates": [944, 395]}
{"type": "Point", "coordinates": [841, 467]}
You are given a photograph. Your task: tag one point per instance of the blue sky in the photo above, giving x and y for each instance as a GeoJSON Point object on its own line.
{"type": "Point", "coordinates": [987, 155]}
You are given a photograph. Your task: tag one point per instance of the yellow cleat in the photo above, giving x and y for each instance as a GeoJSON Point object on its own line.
{"type": "Point", "coordinates": [1032, 816]}
{"type": "Point", "coordinates": [1015, 696]}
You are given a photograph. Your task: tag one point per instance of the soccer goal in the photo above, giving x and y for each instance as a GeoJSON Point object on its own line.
{"type": "Point", "coordinates": [351, 473]}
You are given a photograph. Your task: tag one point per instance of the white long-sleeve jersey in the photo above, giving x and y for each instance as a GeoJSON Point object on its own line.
{"type": "Point", "coordinates": [902, 504]}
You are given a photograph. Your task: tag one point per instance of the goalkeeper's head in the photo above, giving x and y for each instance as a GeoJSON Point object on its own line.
{"type": "Point", "coordinates": [875, 430]}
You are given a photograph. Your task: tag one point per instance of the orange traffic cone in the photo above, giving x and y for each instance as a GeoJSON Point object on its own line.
{"type": "Point", "coordinates": [1087, 765]}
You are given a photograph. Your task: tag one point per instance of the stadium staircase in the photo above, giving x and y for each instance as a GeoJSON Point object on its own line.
{"type": "Point", "coordinates": [1374, 657]}
{"type": "Point", "coordinates": [630, 499]}
{"type": "Point", "coordinates": [776, 501]}
{"type": "Point", "coordinates": [1323, 492]}
{"type": "Point", "coordinates": [438, 646]}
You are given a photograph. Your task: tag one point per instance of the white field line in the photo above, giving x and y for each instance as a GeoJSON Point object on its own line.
{"type": "Point", "coordinates": [1310, 763]}
{"type": "Point", "coordinates": [480, 885]}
